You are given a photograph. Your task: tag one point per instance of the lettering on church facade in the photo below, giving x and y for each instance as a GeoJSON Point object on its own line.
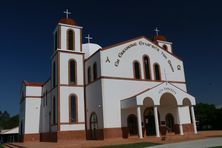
{"type": "Point", "coordinates": [107, 60]}
{"type": "Point", "coordinates": [141, 43]}
{"type": "Point", "coordinates": [167, 89]}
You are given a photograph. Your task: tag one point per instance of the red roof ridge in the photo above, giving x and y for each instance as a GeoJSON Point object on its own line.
{"type": "Point", "coordinates": [33, 83]}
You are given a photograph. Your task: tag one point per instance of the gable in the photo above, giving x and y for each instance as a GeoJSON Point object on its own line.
{"type": "Point", "coordinates": [117, 60]}
{"type": "Point", "coordinates": [148, 43]}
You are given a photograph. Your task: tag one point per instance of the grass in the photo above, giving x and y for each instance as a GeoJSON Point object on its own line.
{"type": "Point", "coordinates": [1, 146]}
{"type": "Point", "coordinates": [217, 147]}
{"type": "Point", "coordinates": [133, 145]}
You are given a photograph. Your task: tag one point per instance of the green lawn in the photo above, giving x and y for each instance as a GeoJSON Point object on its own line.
{"type": "Point", "coordinates": [1, 146]}
{"type": "Point", "coordinates": [217, 147]}
{"type": "Point", "coordinates": [134, 145]}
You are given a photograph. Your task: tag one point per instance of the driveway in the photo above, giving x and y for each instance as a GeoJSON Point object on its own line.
{"type": "Point", "coordinates": [202, 143]}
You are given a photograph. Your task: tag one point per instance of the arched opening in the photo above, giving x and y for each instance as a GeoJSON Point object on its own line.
{"type": "Point", "coordinates": [186, 102]}
{"type": "Point", "coordinates": [70, 40]}
{"type": "Point", "coordinates": [94, 71]}
{"type": "Point", "coordinates": [149, 121]}
{"type": "Point", "coordinates": [169, 122]}
{"type": "Point", "coordinates": [157, 73]}
{"type": "Point", "coordinates": [168, 104]}
{"type": "Point", "coordinates": [73, 108]}
{"type": "Point", "coordinates": [93, 126]}
{"type": "Point", "coordinates": [168, 100]}
{"type": "Point", "coordinates": [136, 69]}
{"type": "Point", "coordinates": [89, 74]}
{"type": "Point", "coordinates": [146, 63]}
{"type": "Point", "coordinates": [165, 47]}
{"type": "Point", "coordinates": [72, 72]}
{"type": "Point", "coordinates": [132, 124]}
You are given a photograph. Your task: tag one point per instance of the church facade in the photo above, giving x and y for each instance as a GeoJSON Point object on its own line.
{"type": "Point", "coordinates": [136, 87]}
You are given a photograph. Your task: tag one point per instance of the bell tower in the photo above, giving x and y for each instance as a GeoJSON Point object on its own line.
{"type": "Point", "coordinates": [162, 41]}
{"type": "Point", "coordinates": [68, 35]}
{"type": "Point", "coordinates": [67, 78]}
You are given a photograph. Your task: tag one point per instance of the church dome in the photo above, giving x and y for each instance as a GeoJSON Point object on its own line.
{"type": "Point", "coordinates": [68, 21]}
{"type": "Point", "coordinates": [90, 48]}
{"type": "Point", "coordinates": [159, 37]}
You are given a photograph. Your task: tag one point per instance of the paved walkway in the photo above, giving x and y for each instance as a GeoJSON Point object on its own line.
{"type": "Point", "coordinates": [202, 143]}
{"type": "Point", "coordinates": [163, 140]}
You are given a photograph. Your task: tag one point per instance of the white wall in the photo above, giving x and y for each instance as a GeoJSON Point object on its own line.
{"type": "Point", "coordinates": [184, 113]}
{"type": "Point", "coordinates": [65, 92]}
{"type": "Point", "coordinates": [94, 102]}
{"type": "Point", "coordinates": [64, 59]}
{"type": "Point", "coordinates": [33, 91]}
{"type": "Point", "coordinates": [116, 90]}
{"type": "Point", "coordinates": [45, 121]}
{"type": "Point", "coordinates": [32, 115]}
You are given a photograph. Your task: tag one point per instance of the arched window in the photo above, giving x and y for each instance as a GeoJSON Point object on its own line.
{"type": "Point", "coordinates": [157, 73]}
{"type": "Point", "coordinates": [72, 72]}
{"type": "Point", "coordinates": [94, 71]}
{"type": "Point", "coordinates": [93, 125]}
{"type": "Point", "coordinates": [56, 41]}
{"type": "Point", "coordinates": [54, 110]}
{"type": "Point", "coordinates": [89, 74]}
{"type": "Point", "coordinates": [146, 63]}
{"type": "Point", "coordinates": [165, 47]}
{"type": "Point", "coordinates": [70, 40]}
{"type": "Point", "coordinates": [136, 68]}
{"type": "Point", "coordinates": [53, 74]}
{"type": "Point", "coordinates": [73, 109]}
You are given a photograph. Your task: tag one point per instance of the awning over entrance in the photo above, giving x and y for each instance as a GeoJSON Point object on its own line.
{"type": "Point", "coordinates": [155, 94]}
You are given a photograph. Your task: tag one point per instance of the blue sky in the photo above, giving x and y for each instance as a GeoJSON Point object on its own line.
{"type": "Point", "coordinates": [27, 43]}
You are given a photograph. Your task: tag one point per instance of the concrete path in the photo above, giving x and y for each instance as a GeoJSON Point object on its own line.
{"type": "Point", "coordinates": [202, 143]}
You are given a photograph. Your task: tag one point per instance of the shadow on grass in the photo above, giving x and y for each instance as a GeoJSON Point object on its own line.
{"type": "Point", "coordinates": [132, 145]}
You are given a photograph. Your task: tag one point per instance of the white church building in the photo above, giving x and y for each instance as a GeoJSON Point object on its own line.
{"type": "Point", "coordinates": [135, 87]}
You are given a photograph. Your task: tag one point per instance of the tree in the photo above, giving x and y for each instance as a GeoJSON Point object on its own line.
{"type": "Point", "coordinates": [208, 116]}
{"type": "Point", "coordinates": [7, 122]}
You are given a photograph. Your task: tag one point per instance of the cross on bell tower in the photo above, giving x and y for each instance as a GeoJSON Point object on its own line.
{"type": "Point", "coordinates": [157, 31]}
{"type": "Point", "coordinates": [88, 38]}
{"type": "Point", "coordinates": [67, 13]}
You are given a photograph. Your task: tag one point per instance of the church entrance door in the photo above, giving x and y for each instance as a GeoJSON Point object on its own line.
{"type": "Point", "coordinates": [149, 122]}
{"type": "Point", "coordinates": [169, 122]}
{"type": "Point", "coordinates": [93, 126]}
{"type": "Point", "coordinates": [132, 124]}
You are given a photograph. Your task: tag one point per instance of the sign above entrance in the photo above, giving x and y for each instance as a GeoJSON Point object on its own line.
{"type": "Point", "coordinates": [167, 89]}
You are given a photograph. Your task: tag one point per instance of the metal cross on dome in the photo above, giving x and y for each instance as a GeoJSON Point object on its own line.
{"type": "Point", "coordinates": [157, 31]}
{"type": "Point", "coordinates": [67, 13]}
{"type": "Point", "coordinates": [88, 38]}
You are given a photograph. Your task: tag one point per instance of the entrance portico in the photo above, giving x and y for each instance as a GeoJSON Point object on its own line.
{"type": "Point", "coordinates": [165, 108]}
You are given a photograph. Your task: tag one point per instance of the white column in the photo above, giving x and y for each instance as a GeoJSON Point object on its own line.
{"type": "Point", "coordinates": [193, 119]}
{"type": "Point", "coordinates": [156, 121]}
{"type": "Point", "coordinates": [139, 122]}
{"type": "Point", "coordinates": [180, 124]}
